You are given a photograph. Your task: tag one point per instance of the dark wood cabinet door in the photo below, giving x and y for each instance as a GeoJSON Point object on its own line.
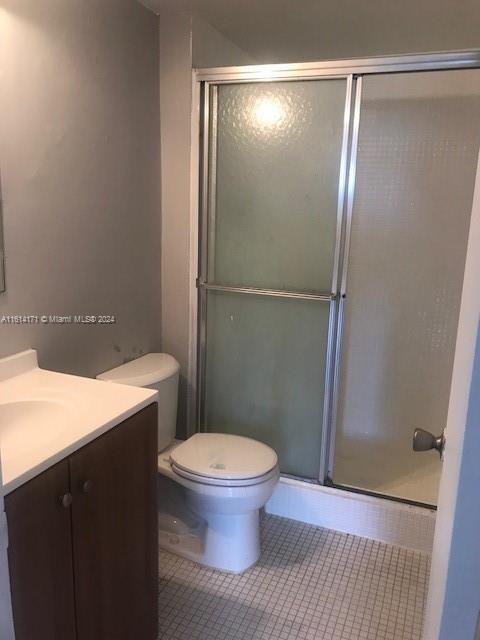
{"type": "Point", "coordinates": [115, 533]}
{"type": "Point", "coordinates": [40, 557]}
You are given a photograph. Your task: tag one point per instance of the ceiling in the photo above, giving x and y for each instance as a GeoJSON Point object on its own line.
{"type": "Point", "coordinates": [294, 30]}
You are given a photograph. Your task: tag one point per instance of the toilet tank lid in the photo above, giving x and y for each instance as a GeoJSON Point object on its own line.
{"type": "Point", "coordinates": [141, 372]}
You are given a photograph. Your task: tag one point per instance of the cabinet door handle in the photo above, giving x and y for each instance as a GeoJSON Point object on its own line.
{"type": "Point", "coordinates": [87, 486]}
{"type": "Point", "coordinates": [66, 500]}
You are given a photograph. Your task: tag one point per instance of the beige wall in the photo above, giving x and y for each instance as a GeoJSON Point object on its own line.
{"type": "Point", "coordinates": [79, 159]}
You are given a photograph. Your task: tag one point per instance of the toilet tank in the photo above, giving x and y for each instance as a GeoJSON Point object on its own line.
{"type": "Point", "coordinates": [154, 371]}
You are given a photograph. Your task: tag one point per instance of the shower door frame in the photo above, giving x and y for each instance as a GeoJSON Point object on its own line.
{"type": "Point", "coordinates": [201, 198]}
{"type": "Point", "coordinates": [207, 200]}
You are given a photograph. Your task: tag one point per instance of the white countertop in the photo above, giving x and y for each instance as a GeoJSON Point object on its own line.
{"type": "Point", "coordinates": [46, 416]}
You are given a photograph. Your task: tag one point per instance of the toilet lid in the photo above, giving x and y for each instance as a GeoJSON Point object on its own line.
{"type": "Point", "coordinates": [224, 456]}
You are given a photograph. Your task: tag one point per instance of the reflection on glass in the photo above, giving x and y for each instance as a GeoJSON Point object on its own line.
{"type": "Point", "coordinates": [269, 112]}
{"type": "Point", "coordinates": [274, 189]}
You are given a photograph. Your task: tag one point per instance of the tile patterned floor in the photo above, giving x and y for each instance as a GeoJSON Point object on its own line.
{"type": "Point", "coordinates": [310, 583]}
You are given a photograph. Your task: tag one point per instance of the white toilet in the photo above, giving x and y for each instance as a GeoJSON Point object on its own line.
{"type": "Point", "coordinates": [212, 486]}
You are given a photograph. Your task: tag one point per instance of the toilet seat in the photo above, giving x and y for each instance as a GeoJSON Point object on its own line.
{"type": "Point", "coordinates": [245, 482]}
{"type": "Point", "coordinates": [224, 460]}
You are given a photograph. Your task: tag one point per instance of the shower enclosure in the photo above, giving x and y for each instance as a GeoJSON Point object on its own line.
{"type": "Point", "coordinates": [335, 207]}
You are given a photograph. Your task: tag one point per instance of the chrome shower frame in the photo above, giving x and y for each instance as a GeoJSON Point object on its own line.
{"type": "Point", "coordinates": [205, 83]}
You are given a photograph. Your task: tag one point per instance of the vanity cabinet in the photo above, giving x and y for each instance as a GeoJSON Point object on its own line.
{"type": "Point", "coordinates": [40, 557]}
{"type": "Point", "coordinates": [83, 540]}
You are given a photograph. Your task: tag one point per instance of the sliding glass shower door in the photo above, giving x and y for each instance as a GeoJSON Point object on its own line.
{"type": "Point", "coordinates": [274, 174]}
{"type": "Point", "coordinates": [418, 146]}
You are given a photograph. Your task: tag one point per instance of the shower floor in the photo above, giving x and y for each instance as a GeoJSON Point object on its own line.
{"type": "Point", "coordinates": [402, 474]}
{"type": "Point", "coordinates": [310, 584]}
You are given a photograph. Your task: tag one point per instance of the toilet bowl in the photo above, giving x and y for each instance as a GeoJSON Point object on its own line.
{"type": "Point", "coordinates": [212, 486]}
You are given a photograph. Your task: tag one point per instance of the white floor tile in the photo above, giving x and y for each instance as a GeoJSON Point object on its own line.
{"type": "Point", "coordinates": [310, 583]}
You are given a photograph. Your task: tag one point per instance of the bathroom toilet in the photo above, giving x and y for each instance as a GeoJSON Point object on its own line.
{"type": "Point", "coordinates": [211, 486]}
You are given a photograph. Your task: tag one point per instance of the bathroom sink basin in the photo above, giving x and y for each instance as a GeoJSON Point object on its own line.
{"type": "Point", "coordinates": [45, 416]}
{"type": "Point", "coordinates": [29, 424]}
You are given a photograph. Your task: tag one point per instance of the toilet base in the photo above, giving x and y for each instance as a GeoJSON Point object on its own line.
{"type": "Point", "coordinates": [216, 526]}
{"type": "Point", "coordinates": [229, 543]}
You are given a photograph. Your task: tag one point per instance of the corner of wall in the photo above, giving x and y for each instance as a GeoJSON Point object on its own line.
{"type": "Point", "coordinates": [175, 52]}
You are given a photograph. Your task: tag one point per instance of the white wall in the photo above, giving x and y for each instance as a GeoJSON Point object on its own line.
{"type": "Point", "coordinates": [79, 162]}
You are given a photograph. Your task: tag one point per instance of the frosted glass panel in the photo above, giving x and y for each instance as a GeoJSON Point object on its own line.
{"type": "Point", "coordinates": [265, 372]}
{"type": "Point", "coordinates": [273, 205]}
{"type": "Point", "coordinates": [418, 146]}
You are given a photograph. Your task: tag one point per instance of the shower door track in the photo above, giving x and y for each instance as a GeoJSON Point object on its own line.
{"type": "Point", "coordinates": [377, 494]}
{"type": "Point", "coordinates": [440, 61]}
{"type": "Point", "coordinates": [352, 70]}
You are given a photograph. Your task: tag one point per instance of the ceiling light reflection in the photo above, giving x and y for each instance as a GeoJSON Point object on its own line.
{"type": "Point", "coordinates": [269, 112]}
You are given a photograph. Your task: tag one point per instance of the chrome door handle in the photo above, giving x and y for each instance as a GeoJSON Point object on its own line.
{"type": "Point", "coordinates": [425, 441]}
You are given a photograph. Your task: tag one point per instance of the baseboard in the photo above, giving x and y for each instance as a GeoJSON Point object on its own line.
{"type": "Point", "coordinates": [400, 524]}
